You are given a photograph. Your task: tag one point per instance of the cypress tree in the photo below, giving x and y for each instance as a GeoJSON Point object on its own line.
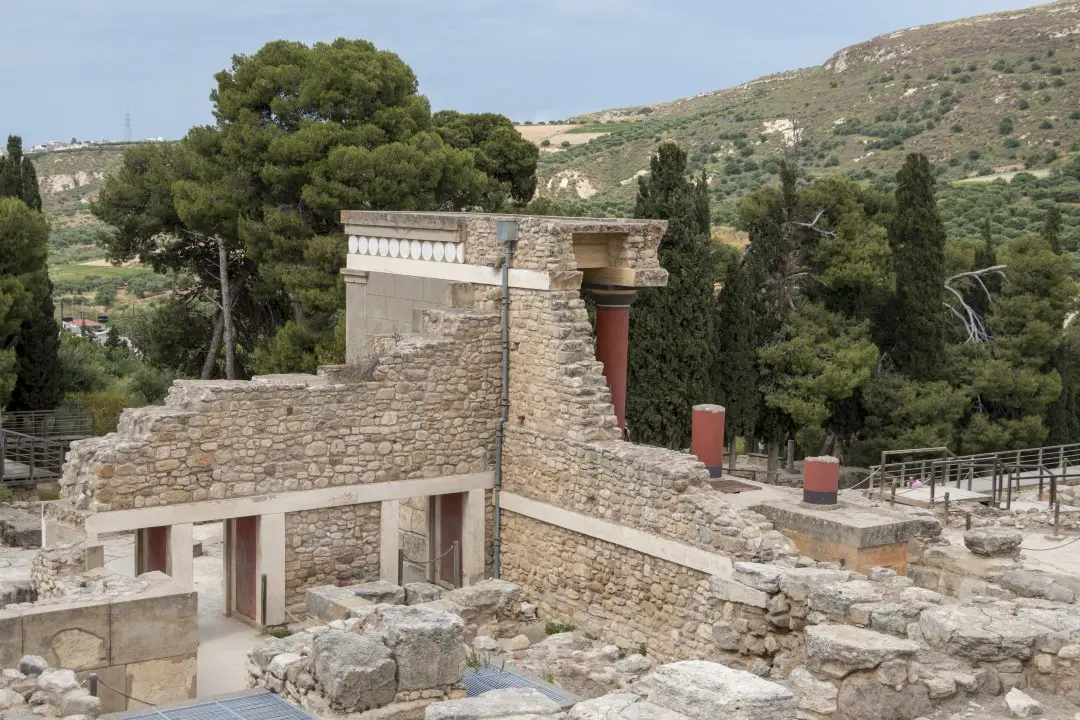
{"type": "Point", "coordinates": [39, 380]}
{"type": "Point", "coordinates": [917, 236]}
{"type": "Point", "coordinates": [1051, 230]}
{"type": "Point", "coordinates": [671, 328]}
{"type": "Point", "coordinates": [38, 383]}
{"type": "Point", "coordinates": [735, 355]}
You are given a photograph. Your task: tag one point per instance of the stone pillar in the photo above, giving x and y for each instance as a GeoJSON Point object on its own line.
{"type": "Point", "coordinates": [180, 565]}
{"type": "Point", "coordinates": [357, 341]}
{"type": "Point", "coordinates": [389, 525]}
{"type": "Point", "coordinates": [473, 534]}
{"type": "Point", "coordinates": [707, 437]}
{"type": "Point", "coordinates": [613, 340]}
{"type": "Point", "coordinates": [821, 480]}
{"type": "Point", "coordinates": [271, 564]}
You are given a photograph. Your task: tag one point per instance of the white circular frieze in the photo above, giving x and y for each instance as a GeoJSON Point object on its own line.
{"type": "Point", "coordinates": [384, 246]}
{"type": "Point", "coordinates": [414, 250]}
{"type": "Point", "coordinates": [394, 247]}
{"type": "Point", "coordinates": [353, 242]}
{"type": "Point", "coordinates": [438, 251]}
{"type": "Point", "coordinates": [425, 250]}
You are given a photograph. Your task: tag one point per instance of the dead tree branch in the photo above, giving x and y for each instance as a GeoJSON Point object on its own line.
{"type": "Point", "coordinates": [975, 324]}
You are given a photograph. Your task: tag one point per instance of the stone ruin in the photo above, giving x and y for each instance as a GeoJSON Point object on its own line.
{"type": "Point", "coordinates": [33, 689]}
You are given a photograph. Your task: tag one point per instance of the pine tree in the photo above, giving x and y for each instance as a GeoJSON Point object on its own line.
{"type": "Point", "coordinates": [985, 256]}
{"type": "Point", "coordinates": [917, 236]}
{"type": "Point", "coordinates": [671, 328]}
{"type": "Point", "coordinates": [1051, 230]}
{"type": "Point", "coordinates": [38, 382]}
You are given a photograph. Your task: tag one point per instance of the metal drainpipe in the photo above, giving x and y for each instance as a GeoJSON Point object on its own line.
{"type": "Point", "coordinates": [507, 231]}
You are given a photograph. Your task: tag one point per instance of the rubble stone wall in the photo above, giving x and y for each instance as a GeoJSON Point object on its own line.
{"type": "Point", "coordinates": [423, 406]}
{"type": "Point", "coordinates": [330, 546]}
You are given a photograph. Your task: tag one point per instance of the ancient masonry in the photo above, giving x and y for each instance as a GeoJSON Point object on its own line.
{"type": "Point", "coordinates": [628, 543]}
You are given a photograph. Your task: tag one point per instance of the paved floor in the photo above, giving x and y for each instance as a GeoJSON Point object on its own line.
{"type": "Point", "coordinates": [224, 642]}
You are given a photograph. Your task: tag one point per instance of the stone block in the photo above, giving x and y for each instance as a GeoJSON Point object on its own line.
{"type": "Point", "coordinates": [700, 689]}
{"type": "Point", "coordinates": [427, 645]}
{"type": "Point", "coordinates": [836, 599]}
{"type": "Point", "coordinates": [76, 637]}
{"type": "Point", "coordinates": [993, 541]}
{"type": "Point", "coordinates": [812, 694]}
{"type": "Point", "coordinates": [154, 627]}
{"type": "Point", "coordinates": [494, 705]}
{"type": "Point", "coordinates": [356, 673]}
{"type": "Point", "coordinates": [162, 681]}
{"type": "Point", "coordinates": [325, 602]}
{"type": "Point", "coordinates": [11, 638]}
{"type": "Point", "coordinates": [862, 697]}
{"type": "Point", "coordinates": [422, 592]}
{"type": "Point", "coordinates": [114, 676]}
{"type": "Point", "coordinates": [380, 591]}
{"type": "Point", "coordinates": [843, 649]}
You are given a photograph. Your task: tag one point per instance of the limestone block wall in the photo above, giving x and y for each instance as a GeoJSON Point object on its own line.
{"type": "Point", "coordinates": [392, 302]}
{"type": "Point", "coordinates": [423, 406]}
{"type": "Point", "coordinates": [144, 645]}
{"type": "Point", "coordinates": [330, 546]}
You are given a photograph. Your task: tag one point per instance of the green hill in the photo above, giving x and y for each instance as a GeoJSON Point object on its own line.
{"type": "Point", "coordinates": [990, 94]}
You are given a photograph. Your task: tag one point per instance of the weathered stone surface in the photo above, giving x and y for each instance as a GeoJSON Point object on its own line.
{"type": "Point", "coordinates": [427, 645]}
{"type": "Point", "coordinates": [498, 596]}
{"type": "Point", "coordinates": [485, 643]}
{"type": "Point", "coordinates": [1027, 583]}
{"type": "Point", "coordinates": [602, 708]}
{"type": "Point", "coordinates": [516, 643]}
{"type": "Point", "coordinates": [162, 681]}
{"type": "Point", "coordinates": [812, 694]}
{"type": "Point", "coordinates": [837, 598]}
{"type": "Point", "coordinates": [700, 689]}
{"type": "Point", "coordinates": [797, 583]}
{"type": "Point", "coordinates": [851, 648]}
{"type": "Point", "coordinates": [80, 702]}
{"type": "Point", "coordinates": [57, 682]}
{"type": "Point", "coordinates": [33, 665]}
{"type": "Point", "coordinates": [496, 704]}
{"type": "Point", "coordinates": [759, 576]}
{"type": "Point", "coordinates": [379, 592]}
{"type": "Point", "coordinates": [10, 699]}
{"type": "Point", "coordinates": [261, 655]}
{"type": "Point", "coordinates": [981, 633]}
{"type": "Point", "coordinates": [150, 628]}
{"type": "Point", "coordinates": [633, 664]}
{"type": "Point", "coordinates": [993, 541]}
{"type": "Point", "coordinates": [356, 673]}
{"type": "Point", "coordinates": [863, 698]}
{"type": "Point", "coordinates": [422, 592]}
{"type": "Point", "coordinates": [1022, 705]}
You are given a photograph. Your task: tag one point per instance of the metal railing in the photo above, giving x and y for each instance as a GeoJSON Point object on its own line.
{"type": "Point", "coordinates": [1004, 470]}
{"type": "Point", "coordinates": [68, 422]}
{"type": "Point", "coordinates": [29, 460]}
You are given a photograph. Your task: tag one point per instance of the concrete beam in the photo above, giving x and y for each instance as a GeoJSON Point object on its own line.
{"type": "Point", "coordinates": [181, 565]}
{"type": "Point", "coordinates": [271, 563]}
{"type": "Point", "coordinates": [658, 547]}
{"type": "Point", "coordinates": [285, 502]}
{"type": "Point", "coordinates": [389, 540]}
{"type": "Point", "coordinates": [455, 272]}
{"type": "Point", "coordinates": [473, 534]}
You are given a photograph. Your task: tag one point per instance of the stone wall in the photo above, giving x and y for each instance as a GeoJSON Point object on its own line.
{"type": "Point", "coordinates": [143, 644]}
{"type": "Point", "coordinates": [330, 546]}
{"type": "Point", "coordinates": [423, 407]}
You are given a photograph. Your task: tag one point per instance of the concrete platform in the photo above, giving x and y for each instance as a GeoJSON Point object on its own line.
{"type": "Point", "coordinates": [920, 496]}
{"type": "Point", "coordinates": [857, 537]}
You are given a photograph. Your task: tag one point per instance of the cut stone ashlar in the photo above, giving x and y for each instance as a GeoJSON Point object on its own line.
{"type": "Point", "coordinates": [429, 250]}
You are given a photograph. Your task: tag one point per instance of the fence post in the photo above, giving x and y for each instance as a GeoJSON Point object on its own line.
{"type": "Point", "coordinates": [262, 613]}
{"type": "Point", "coordinates": [892, 496]}
{"type": "Point", "coordinates": [1057, 513]}
{"type": "Point", "coordinates": [946, 509]}
{"type": "Point", "coordinates": [1008, 491]}
{"type": "Point", "coordinates": [967, 521]}
{"type": "Point", "coordinates": [400, 567]}
{"type": "Point", "coordinates": [457, 564]}
{"type": "Point", "coordinates": [92, 681]}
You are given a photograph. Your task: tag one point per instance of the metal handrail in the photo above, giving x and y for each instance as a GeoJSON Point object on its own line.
{"type": "Point", "coordinates": [43, 457]}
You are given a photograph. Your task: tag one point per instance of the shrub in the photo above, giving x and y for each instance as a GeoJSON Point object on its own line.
{"type": "Point", "coordinates": [1056, 70]}
{"type": "Point", "coordinates": [1046, 125]}
{"type": "Point", "coordinates": [1074, 115]}
{"type": "Point", "coordinates": [957, 128]}
{"type": "Point", "coordinates": [565, 144]}
{"type": "Point", "coordinates": [554, 628]}
{"type": "Point", "coordinates": [1025, 85]}
{"type": "Point", "coordinates": [105, 407]}
{"type": "Point", "coordinates": [545, 143]}
{"type": "Point", "coordinates": [149, 385]}
{"type": "Point", "coordinates": [1005, 127]}
{"type": "Point", "coordinates": [1012, 143]}
{"type": "Point", "coordinates": [1023, 104]}
{"type": "Point", "coordinates": [974, 155]}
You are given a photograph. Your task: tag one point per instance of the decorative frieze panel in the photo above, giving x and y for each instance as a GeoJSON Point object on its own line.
{"type": "Point", "coordinates": [405, 249]}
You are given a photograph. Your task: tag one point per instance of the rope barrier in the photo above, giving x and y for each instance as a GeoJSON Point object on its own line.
{"type": "Point", "coordinates": [435, 559]}
{"type": "Point", "coordinates": [121, 692]}
{"type": "Point", "coordinates": [1057, 547]}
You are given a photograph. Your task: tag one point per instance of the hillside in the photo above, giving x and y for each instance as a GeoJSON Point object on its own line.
{"type": "Point", "coordinates": [989, 94]}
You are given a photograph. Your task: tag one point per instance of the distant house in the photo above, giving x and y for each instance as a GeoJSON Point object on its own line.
{"type": "Point", "coordinates": [85, 327]}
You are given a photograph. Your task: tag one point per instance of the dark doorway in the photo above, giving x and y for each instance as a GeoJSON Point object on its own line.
{"type": "Point", "coordinates": [450, 515]}
{"type": "Point", "coordinates": [153, 550]}
{"type": "Point", "coordinates": [245, 565]}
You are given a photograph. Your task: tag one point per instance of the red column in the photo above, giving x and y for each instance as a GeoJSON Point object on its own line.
{"type": "Point", "coordinates": [707, 437]}
{"type": "Point", "coordinates": [613, 341]}
{"type": "Point", "coordinates": [821, 480]}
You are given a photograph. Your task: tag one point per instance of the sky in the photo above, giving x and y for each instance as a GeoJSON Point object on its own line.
{"type": "Point", "coordinates": [73, 68]}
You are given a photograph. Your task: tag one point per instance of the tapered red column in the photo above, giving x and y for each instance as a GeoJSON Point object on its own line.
{"type": "Point", "coordinates": [613, 340]}
{"type": "Point", "coordinates": [707, 437]}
